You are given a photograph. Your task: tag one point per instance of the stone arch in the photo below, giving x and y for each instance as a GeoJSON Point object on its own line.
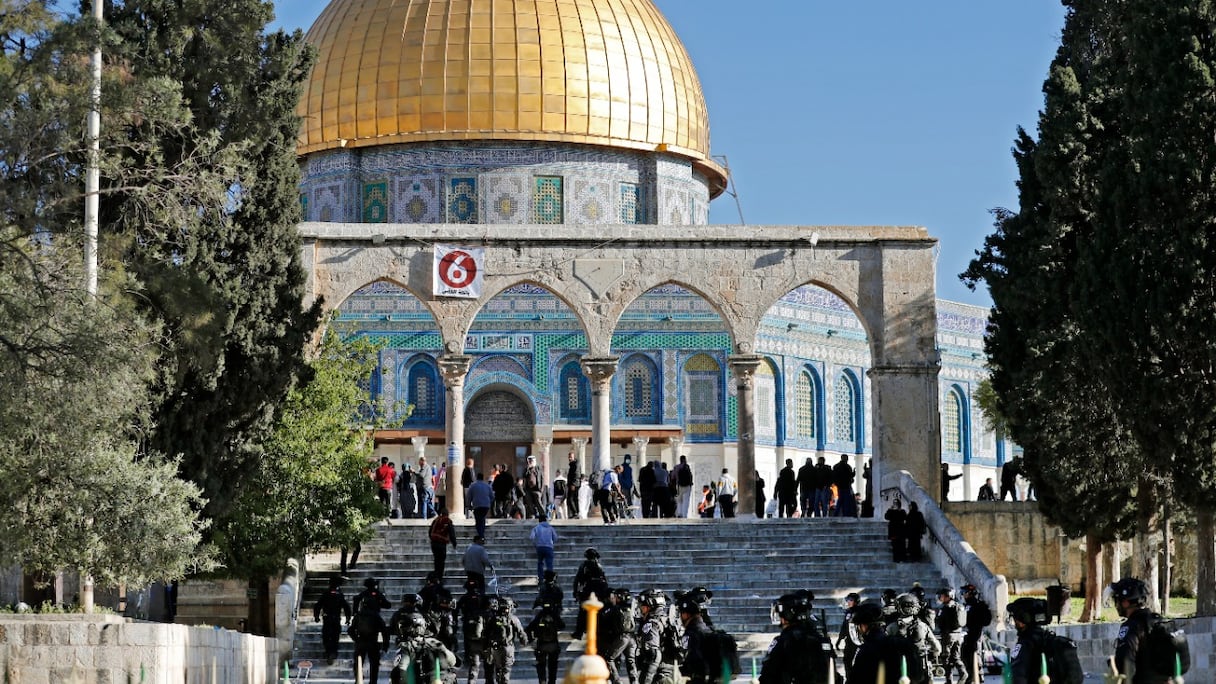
{"type": "Point", "coordinates": [490, 295]}
{"type": "Point", "coordinates": [345, 294]}
{"type": "Point", "coordinates": [868, 326]}
{"type": "Point", "coordinates": [633, 291]}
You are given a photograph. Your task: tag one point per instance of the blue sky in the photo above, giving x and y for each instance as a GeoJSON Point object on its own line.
{"type": "Point", "coordinates": [863, 112]}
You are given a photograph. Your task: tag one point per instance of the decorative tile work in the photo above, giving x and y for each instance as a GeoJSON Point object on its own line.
{"type": "Point", "coordinates": [329, 203]}
{"type": "Point", "coordinates": [844, 398]}
{"type": "Point", "coordinates": [630, 204]}
{"type": "Point", "coordinates": [507, 198]}
{"type": "Point", "coordinates": [547, 206]}
{"type": "Point", "coordinates": [671, 385]}
{"type": "Point", "coordinates": [417, 200]}
{"type": "Point", "coordinates": [375, 202]}
{"type": "Point", "coordinates": [952, 426]}
{"type": "Point", "coordinates": [765, 393]}
{"type": "Point", "coordinates": [503, 363]}
{"type": "Point", "coordinates": [805, 408]}
{"type": "Point", "coordinates": [304, 207]}
{"type": "Point", "coordinates": [553, 345]}
{"type": "Point", "coordinates": [702, 397]}
{"type": "Point", "coordinates": [462, 200]}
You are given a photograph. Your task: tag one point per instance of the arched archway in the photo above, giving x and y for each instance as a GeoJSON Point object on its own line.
{"type": "Point", "coordinates": [499, 423]}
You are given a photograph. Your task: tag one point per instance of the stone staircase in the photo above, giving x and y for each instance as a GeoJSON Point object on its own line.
{"type": "Point", "coordinates": [747, 564]}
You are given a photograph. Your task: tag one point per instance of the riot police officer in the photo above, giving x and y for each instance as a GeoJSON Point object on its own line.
{"type": "Point", "coordinates": [659, 640]}
{"type": "Point", "coordinates": [419, 653]}
{"type": "Point", "coordinates": [801, 653]}
{"type": "Point", "coordinates": [882, 655]}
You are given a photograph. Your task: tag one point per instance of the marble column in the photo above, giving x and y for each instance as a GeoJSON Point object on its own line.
{"type": "Point", "coordinates": [599, 372]}
{"type": "Point", "coordinates": [454, 368]}
{"type": "Point", "coordinates": [540, 449]}
{"type": "Point", "coordinates": [580, 454]}
{"type": "Point", "coordinates": [419, 443]}
{"type": "Point", "coordinates": [743, 367]}
{"type": "Point", "coordinates": [639, 449]}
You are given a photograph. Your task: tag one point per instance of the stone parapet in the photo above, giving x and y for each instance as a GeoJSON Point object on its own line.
{"type": "Point", "coordinates": [107, 649]}
{"type": "Point", "coordinates": [1015, 540]}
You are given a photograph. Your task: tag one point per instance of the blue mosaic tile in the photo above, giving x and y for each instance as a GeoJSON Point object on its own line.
{"type": "Point", "coordinates": [462, 200]}
{"type": "Point", "coordinates": [375, 202]}
{"type": "Point", "coordinates": [547, 200]}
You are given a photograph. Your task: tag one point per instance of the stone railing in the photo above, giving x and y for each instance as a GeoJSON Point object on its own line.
{"type": "Point", "coordinates": [957, 560]}
{"type": "Point", "coordinates": [287, 606]}
{"type": "Point", "coordinates": [109, 648]}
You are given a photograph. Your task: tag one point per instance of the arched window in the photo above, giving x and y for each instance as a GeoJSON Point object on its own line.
{"type": "Point", "coordinates": [422, 392]}
{"type": "Point", "coordinates": [845, 409]}
{"type": "Point", "coordinates": [575, 401]}
{"type": "Point", "coordinates": [952, 422]}
{"type": "Point", "coordinates": [766, 403]}
{"type": "Point", "coordinates": [639, 391]}
{"type": "Point", "coordinates": [804, 395]}
{"type": "Point", "coordinates": [702, 397]}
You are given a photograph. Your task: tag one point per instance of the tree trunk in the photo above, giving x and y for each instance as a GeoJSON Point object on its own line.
{"type": "Point", "coordinates": [1166, 576]}
{"type": "Point", "coordinates": [1093, 578]}
{"type": "Point", "coordinates": [1147, 545]}
{"type": "Point", "coordinates": [1205, 536]}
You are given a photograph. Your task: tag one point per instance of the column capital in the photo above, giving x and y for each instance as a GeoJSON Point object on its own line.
{"type": "Point", "coordinates": [675, 440]}
{"type": "Point", "coordinates": [543, 443]}
{"type": "Point", "coordinates": [454, 367]}
{"type": "Point", "coordinates": [578, 442]}
{"type": "Point", "coordinates": [744, 366]}
{"type": "Point", "coordinates": [599, 369]}
{"type": "Point", "coordinates": [419, 441]}
{"type": "Point", "coordinates": [640, 442]}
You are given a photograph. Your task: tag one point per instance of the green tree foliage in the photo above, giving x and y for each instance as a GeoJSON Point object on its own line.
{"type": "Point", "coordinates": [311, 490]}
{"type": "Point", "coordinates": [77, 494]}
{"type": "Point", "coordinates": [1112, 243]}
{"type": "Point", "coordinates": [78, 491]}
{"type": "Point", "coordinates": [226, 280]}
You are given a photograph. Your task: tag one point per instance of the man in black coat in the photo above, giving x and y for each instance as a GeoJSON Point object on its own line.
{"type": "Point", "coordinates": [842, 476]}
{"type": "Point", "coordinates": [806, 488]}
{"type": "Point", "coordinates": [646, 489]}
{"type": "Point", "coordinates": [786, 490]}
{"type": "Point", "coordinates": [331, 608]}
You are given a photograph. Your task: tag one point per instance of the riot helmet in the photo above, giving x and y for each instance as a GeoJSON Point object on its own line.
{"type": "Point", "coordinates": [1029, 611]}
{"type": "Point", "coordinates": [907, 605]}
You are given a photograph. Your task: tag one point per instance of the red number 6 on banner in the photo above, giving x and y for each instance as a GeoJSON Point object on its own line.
{"type": "Point", "coordinates": [457, 269]}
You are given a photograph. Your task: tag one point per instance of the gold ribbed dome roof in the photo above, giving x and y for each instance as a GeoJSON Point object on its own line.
{"type": "Point", "coordinates": [601, 72]}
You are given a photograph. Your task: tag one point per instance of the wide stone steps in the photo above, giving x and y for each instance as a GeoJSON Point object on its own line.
{"type": "Point", "coordinates": [747, 563]}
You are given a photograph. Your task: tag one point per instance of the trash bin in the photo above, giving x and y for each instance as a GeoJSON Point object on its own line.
{"type": "Point", "coordinates": [1057, 600]}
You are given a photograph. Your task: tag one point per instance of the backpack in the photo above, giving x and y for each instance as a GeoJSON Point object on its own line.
{"type": "Point", "coordinates": [546, 628]}
{"type": "Point", "coordinates": [979, 614]}
{"type": "Point", "coordinates": [718, 647]}
{"type": "Point", "coordinates": [1063, 665]}
{"type": "Point", "coordinates": [671, 643]}
{"type": "Point", "coordinates": [473, 625]}
{"type": "Point", "coordinates": [684, 476]}
{"type": "Point", "coordinates": [817, 655]}
{"type": "Point", "coordinates": [500, 629]}
{"type": "Point", "coordinates": [439, 530]}
{"type": "Point", "coordinates": [1165, 647]}
{"type": "Point", "coordinates": [365, 626]}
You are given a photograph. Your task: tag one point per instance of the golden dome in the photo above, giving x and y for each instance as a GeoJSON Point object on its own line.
{"type": "Point", "coordinates": [600, 72]}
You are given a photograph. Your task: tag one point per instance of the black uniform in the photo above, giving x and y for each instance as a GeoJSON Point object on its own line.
{"type": "Point", "coordinates": [1026, 657]}
{"type": "Point", "coordinates": [590, 579]}
{"type": "Point", "coordinates": [331, 608]}
{"type": "Point", "coordinates": [950, 619]}
{"type": "Point", "coordinates": [796, 656]}
{"type": "Point", "coordinates": [543, 631]}
{"type": "Point", "coordinates": [471, 615]}
{"type": "Point", "coordinates": [1129, 657]}
{"type": "Point", "coordinates": [879, 650]}
{"type": "Point", "coordinates": [370, 635]}
{"type": "Point", "coordinates": [695, 665]}
{"type": "Point", "coordinates": [978, 617]}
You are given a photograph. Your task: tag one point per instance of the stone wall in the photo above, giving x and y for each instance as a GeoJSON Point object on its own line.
{"type": "Point", "coordinates": [1014, 540]}
{"type": "Point", "coordinates": [106, 649]}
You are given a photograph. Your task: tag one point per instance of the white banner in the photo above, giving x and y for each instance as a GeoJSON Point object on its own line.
{"type": "Point", "coordinates": [458, 271]}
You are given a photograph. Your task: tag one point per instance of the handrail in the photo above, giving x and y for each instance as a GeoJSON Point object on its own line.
{"type": "Point", "coordinates": [950, 552]}
{"type": "Point", "coordinates": [287, 606]}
